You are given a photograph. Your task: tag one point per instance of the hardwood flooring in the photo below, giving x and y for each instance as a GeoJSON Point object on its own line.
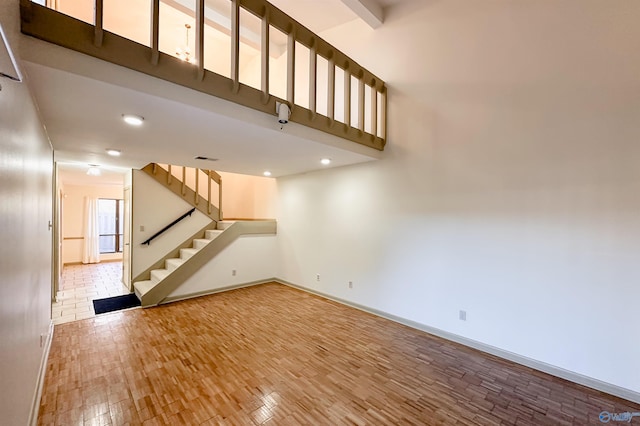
{"type": "Point", "coordinates": [275, 355]}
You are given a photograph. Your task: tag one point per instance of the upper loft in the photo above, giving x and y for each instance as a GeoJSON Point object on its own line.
{"type": "Point", "coordinates": [244, 51]}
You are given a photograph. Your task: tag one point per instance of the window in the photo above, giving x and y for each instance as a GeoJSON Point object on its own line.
{"type": "Point", "coordinates": [110, 225]}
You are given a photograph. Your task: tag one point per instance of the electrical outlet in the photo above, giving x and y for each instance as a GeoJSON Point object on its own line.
{"type": "Point", "coordinates": [233, 272]}
{"type": "Point", "coordinates": [463, 315]}
{"type": "Point", "coordinates": [141, 228]}
{"type": "Point", "coordinates": [318, 277]}
{"type": "Point", "coordinates": [43, 337]}
{"type": "Point", "coordinates": [350, 284]}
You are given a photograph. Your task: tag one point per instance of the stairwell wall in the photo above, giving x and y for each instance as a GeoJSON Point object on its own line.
{"type": "Point", "coordinates": [252, 257]}
{"type": "Point", "coordinates": [154, 207]}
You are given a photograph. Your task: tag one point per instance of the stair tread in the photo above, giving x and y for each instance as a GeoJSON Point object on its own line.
{"type": "Point", "coordinates": [159, 274]}
{"type": "Point", "coordinates": [174, 262]}
{"type": "Point", "coordinates": [142, 287]}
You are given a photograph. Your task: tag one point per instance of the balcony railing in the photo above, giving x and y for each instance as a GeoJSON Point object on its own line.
{"type": "Point", "coordinates": [245, 51]}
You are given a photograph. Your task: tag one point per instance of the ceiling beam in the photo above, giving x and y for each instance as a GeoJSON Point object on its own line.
{"type": "Point", "coordinates": [368, 10]}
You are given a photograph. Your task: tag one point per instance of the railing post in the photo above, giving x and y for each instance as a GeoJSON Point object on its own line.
{"type": "Point", "coordinates": [374, 110]}
{"type": "Point", "coordinates": [313, 77]}
{"type": "Point", "coordinates": [291, 69]}
{"type": "Point", "coordinates": [347, 97]}
{"type": "Point", "coordinates": [209, 191]}
{"type": "Point", "coordinates": [331, 89]}
{"type": "Point", "coordinates": [155, 31]}
{"type": "Point", "coordinates": [265, 57]}
{"type": "Point", "coordinates": [383, 114]}
{"type": "Point", "coordinates": [98, 22]}
{"type": "Point", "coordinates": [361, 104]}
{"type": "Point", "coordinates": [169, 176]}
{"type": "Point", "coordinates": [184, 180]}
{"type": "Point", "coordinates": [220, 198]}
{"type": "Point", "coordinates": [196, 198]}
{"type": "Point", "coordinates": [200, 39]}
{"type": "Point", "coordinates": [154, 168]}
{"type": "Point", "coordinates": [235, 44]}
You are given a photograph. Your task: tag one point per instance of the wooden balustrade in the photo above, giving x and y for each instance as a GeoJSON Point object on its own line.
{"type": "Point", "coordinates": [189, 183]}
{"type": "Point", "coordinates": [44, 23]}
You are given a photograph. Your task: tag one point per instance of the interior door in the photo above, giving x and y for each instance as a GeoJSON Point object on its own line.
{"type": "Point", "coordinates": [126, 236]}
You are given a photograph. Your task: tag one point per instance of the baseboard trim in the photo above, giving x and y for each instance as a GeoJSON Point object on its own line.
{"type": "Point", "coordinates": [217, 290]}
{"type": "Point", "coordinates": [35, 405]}
{"type": "Point", "coordinates": [562, 373]}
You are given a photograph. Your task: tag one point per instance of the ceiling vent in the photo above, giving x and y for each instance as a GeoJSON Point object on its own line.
{"type": "Point", "coordinates": [199, 157]}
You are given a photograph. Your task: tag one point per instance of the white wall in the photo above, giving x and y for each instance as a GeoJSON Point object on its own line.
{"type": "Point", "coordinates": [26, 167]}
{"type": "Point", "coordinates": [154, 207]}
{"type": "Point", "coordinates": [73, 206]}
{"type": "Point", "coordinates": [509, 186]}
{"type": "Point", "coordinates": [248, 197]}
{"type": "Point", "coordinates": [253, 257]}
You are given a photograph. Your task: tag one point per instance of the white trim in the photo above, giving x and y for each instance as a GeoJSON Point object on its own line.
{"type": "Point", "coordinates": [571, 376]}
{"type": "Point", "coordinates": [35, 405]}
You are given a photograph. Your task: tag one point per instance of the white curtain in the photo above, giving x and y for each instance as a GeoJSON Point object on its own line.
{"type": "Point", "coordinates": [91, 252]}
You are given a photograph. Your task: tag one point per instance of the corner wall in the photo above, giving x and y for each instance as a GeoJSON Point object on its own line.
{"type": "Point", "coordinates": [509, 187]}
{"type": "Point", "coordinates": [26, 170]}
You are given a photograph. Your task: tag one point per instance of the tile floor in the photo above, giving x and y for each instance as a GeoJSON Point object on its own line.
{"type": "Point", "coordinates": [81, 284]}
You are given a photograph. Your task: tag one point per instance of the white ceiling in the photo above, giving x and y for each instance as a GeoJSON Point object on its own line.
{"type": "Point", "coordinates": [83, 115]}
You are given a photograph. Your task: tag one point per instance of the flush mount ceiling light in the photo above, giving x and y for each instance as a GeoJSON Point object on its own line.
{"type": "Point", "coordinates": [267, 173]}
{"type": "Point", "coordinates": [114, 152]}
{"type": "Point", "coordinates": [134, 120]}
{"type": "Point", "coordinates": [325, 161]}
{"type": "Point", "coordinates": [93, 170]}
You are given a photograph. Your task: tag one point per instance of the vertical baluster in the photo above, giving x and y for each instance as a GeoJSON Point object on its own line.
{"type": "Point", "coordinates": [155, 31]}
{"type": "Point", "coordinates": [361, 104]}
{"type": "Point", "coordinates": [169, 176]}
{"type": "Point", "coordinates": [291, 69]}
{"type": "Point", "coordinates": [265, 57]}
{"type": "Point", "coordinates": [220, 198]}
{"type": "Point", "coordinates": [98, 19]}
{"type": "Point", "coordinates": [154, 169]}
{"type": "Point", "coordinates": [313, 77]}
{"type": "Point", "coordinates": [196, 199]}
{"type": "Point", "coordinates": [331, 89]}
{"type": "Point", "coordinates": [383, 114]}
{"type": "Point", "coordinates": [374, 109]}
{"type": "Point", "coordinates": [347, 96]}
{"type": "Point", "coordinates": [184, 180]}
{"type": "Point", "coordinates": [200, 39]}
{"type": "Point", "coordinates": [209, 191]}
{"type": "Point", "coordinates": [235, 44]}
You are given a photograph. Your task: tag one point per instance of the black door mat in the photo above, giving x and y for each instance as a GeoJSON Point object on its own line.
{"type": "Point", "coordinates": [116, 303]}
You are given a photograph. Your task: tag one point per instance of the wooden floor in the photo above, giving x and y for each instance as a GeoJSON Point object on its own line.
{"type": "Point", "coordinates": [274, 355]}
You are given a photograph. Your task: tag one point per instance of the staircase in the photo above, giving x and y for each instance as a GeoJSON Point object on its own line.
{"type": "Point", "coordinates": [171, 271]}
{"type": "Point", "coordinates": [172, 264]}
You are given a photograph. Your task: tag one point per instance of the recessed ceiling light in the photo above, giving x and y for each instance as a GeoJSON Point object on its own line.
{"type": "Point", "coordinates": [267, 173]}
{"type": "Point", "coordinates": [93, 170]}
{"type": "Point", "coordinates": [114, 152]}
{"type": "Point", "coordinates": [134, 120]}
{"type": "Point", "coordinates": [326, 161]}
